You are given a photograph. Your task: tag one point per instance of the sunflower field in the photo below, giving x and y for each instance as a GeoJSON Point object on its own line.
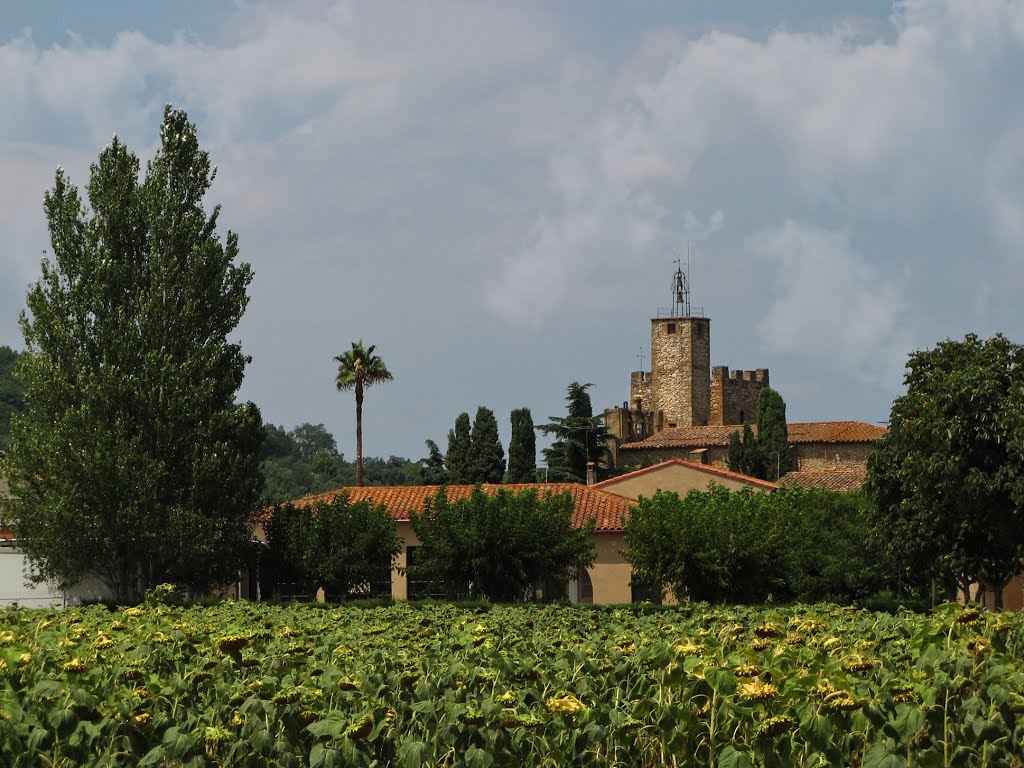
{"type": "Point", "coordinates": [248, 684]}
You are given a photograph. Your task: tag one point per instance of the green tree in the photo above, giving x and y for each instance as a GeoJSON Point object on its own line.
{"type": "Point", "coordinates": [946, 476]}
{"type": "Point", "coordinates": [133, 461]}
{"type": "Point", "coordinates": [522, 448]}
{"type": "Point", "coordinates": [579, 437]}
{"type": "Point", "coordinates": [458, 456]}
{"type": "Point", "coordinates": [499, 547]}
{"type": "Point", "coordinates": [773, 434]}
{"type": "Point", "coordinates": [12, 394]}
{"type": "Point", "coordinates": [433, 471]}
{"type": "Point", "coordinates": [747, 546]}
{"type": "Point", "coordinates": [487, 457]}
{"type": "Point", "coordinates": [746, 455]}
{"type": "Point", "coordinates": [299, 462]}
{"type": "Point", "coordinates": [343, 547]}
{"type": "Point", "coordinates": [360, 369]}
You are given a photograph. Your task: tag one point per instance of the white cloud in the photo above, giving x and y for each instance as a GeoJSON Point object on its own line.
{"type": "Point", "coordinates": [831, 304]}
{"type": "Point", "coordinates": [906, 145]}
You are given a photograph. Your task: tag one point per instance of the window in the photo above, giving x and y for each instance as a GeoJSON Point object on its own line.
{"type": "Point", "coordinates": [584, 588]}
{"type": "Point", "coordinates": [700, 330]}
{"type": "Point", "coordinates": [670, 328]}
{"type": "Point", "coordinates": [418, 589]}
{"type": "Point", "coordinates": [645, 593]}
{"type": "Point", "coordinates": [671, 425]}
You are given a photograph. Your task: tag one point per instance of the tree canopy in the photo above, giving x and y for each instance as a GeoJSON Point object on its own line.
{"type": "Point", "coordinates": [458, 455]}
{"type": "Point", "coordinates": [948, 475]}
{"type": "Point", "coordinates": [12, 394]}
{"type": "Point", "coordinates": [487, 457]}
{"type": "Point", "coordinates": [133, 462]}
{"type": "Point", "coordinates": [500, 547]}
{"type": "Point", "coordinates": [522, 448]}
{"type": "Point", "coordinates": [305, 460]}
{"type": "Point", "coordinates": [748, 547]}
{"type": "Point", "coordinates": [359, 369]}
{"type": "Point", "coordinates": [345, 548]}
{"type": "Point", "coordinates": [766, 454]}
{"type": "Point", "coordinates": [579, 437]}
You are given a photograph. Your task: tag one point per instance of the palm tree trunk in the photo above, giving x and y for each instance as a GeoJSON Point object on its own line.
{"type": "Point", "coordinates": [359, 434]}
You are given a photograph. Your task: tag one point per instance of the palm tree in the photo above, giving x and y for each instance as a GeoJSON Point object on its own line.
{"type": "Point", "coordinates": [358, 369]}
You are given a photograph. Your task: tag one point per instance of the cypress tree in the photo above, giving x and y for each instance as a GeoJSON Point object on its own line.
{"type": "Point", "coordinates": [487, 457]}
{"type": "Point", "coordinates": [457, 457]}
{"type": "Point", "coordinates": [522, 448]}
{"type": "Point", "coordinates": [745, 454]}
{"type": "Point", "coordinates": [773, 434]}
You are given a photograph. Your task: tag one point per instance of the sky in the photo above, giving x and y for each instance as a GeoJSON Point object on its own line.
{"type": "Point", "coordinates": [495, 193]}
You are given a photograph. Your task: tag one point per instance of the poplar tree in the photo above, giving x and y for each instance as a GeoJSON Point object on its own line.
{"type": "Point", "coordinates": [522, 448]}
{"type": "Point", "coordinates": [487, 457]}
{"type": "Point", "coordinates": [133, 462]}
{"type": "Point", "coordinates": [456, 458]}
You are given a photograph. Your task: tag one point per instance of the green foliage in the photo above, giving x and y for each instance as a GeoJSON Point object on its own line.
{"type": "Point", "coordinates": [12, 394]}
{"type": "Point", "coordinates": [359, 369]}
{"type": "Point", "coordinates": [579, 438]}
{"type": "Point", "coordinates": [767, 454]}
{"type": "Point", "coordinates": [133, 462]}
{"type": "Point", "coordinates": [522, 448]}
{"type": "Point", "coordinates": [305, 461]}
{"type": "Point", "coordinates": [341, 546]}
{"type": "Point", "coordinates": [432, 468]}
{"type": "Point", "coordinates": [745, 454]}
{"type": "Point", "coordinates": [947, 476]}
{"type": "Point", "coordinates": [242, 684]}
{"type": "Point", "coordinates": [499, 547]}
{"type": "Point", "coordinates": [746, 546]}
{"type": "Point", "coordinates": [458, 456]}
{"type": "Point", "coordinates": [773, 434]}
{"type": "Point", "coordinates": [487, 458]}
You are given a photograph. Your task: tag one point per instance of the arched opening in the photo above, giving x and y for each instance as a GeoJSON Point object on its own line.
{"type": "Point", "coordinates": [584, 588]}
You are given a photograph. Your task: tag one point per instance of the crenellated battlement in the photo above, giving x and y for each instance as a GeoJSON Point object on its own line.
{"type": "Point", "coordinates": [734, 394]}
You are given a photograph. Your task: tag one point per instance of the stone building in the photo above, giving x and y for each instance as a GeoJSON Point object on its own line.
{"type": "Point", "coordinates": [681, 389]}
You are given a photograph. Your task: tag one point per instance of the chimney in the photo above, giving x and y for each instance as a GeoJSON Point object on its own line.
{"type": "Point", "coordinates": [591, 472]}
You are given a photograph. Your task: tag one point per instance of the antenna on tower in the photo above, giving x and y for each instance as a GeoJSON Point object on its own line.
{"type": "Point", "coordinates": [681, 289]}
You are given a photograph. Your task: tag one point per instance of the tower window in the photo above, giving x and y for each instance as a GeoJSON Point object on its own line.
{"type": "Point", "coordinates": [700, 330]}
{"type": "Point", "coordinates": [671, 328]}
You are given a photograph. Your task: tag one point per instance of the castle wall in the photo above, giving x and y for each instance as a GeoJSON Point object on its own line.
{"type": "Point", "coordinates": [734, 395]}
{"type": "Point", "coordinates": [640, 391]}
{"type": "Point", "coordinates": [681, 371]}
{"type": "Point", "coordinates": [825, 456]}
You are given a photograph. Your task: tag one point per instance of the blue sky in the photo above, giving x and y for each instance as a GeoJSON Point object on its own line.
{"type": "Point", "coordinates": [494, 193]}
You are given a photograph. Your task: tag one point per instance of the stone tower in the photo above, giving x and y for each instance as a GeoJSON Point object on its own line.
{"type": "Point", "coordinates": [680, 371]}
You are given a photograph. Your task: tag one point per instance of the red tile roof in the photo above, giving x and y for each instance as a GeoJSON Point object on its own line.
{"type": "Point", "coordinates": [608, 509]}
{"type": "Point", "coordinates": [845, 479]}
{"type": "Point", "coordinates": [711, 470]}
{"type": "Point", "coordinates": [809, 432]}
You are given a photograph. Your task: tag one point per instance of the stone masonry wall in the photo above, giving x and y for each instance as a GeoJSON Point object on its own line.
{"type": "Point", "coordinates": [640, 391]}
{"type": "Point", "coordinates": [823, 456]}
{"type": "Point", "coordinates": [681, 371]}
{"type": "Point", "coordinates": [734, 395]}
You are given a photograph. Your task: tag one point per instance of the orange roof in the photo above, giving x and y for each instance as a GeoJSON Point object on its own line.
{"type": "Point", "coordinates": [706, 468]}
{"type": "Point", "coordinates": [808, 432]}
{"type": "Point", "coordinates": [609, 510]}
{"type": "Point", "coordinates": [844, 480]}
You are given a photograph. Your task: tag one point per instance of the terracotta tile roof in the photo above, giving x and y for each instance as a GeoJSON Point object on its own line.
{"type": "Point", "coordinates": [808, 432]}
{"type": "Point", "coordinates": [844, 479]}
{"type": "Point", "coordinates": [706, 468]}
{"type": "Point", "coordinates": [608, 509]}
